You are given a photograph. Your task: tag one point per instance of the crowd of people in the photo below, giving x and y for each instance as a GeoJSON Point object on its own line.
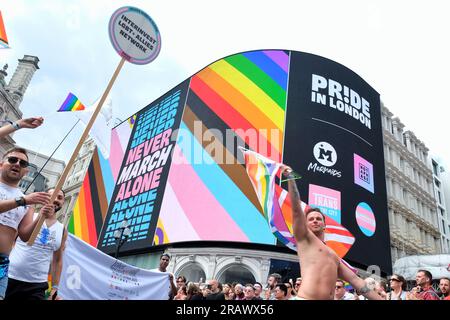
{"type": "Point", "coordinates": [277, 289]}
{"type": "Point", "coordinates": [214, 290]}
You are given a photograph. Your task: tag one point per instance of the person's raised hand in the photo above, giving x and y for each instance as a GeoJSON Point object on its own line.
{"type": "Point", "coordinates": [286, 170]}
{"type": "Point", "coordinates": [41, 198]}
{"type": "Point", "coordinates": [48, 211]}
{"type": "Point", "coordinates": [30, 123]}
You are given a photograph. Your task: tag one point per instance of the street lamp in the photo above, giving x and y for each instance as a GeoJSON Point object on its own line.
{"type": "Point", "coordinates": [121, 235]}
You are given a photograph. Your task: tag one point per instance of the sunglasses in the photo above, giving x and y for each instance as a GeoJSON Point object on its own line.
{"type": "Point", "coordinates": [393, 279]}
{"type": "Point", "coordinates": [14, 160]}
{"type": "Point", "coordinates": [339, 287]}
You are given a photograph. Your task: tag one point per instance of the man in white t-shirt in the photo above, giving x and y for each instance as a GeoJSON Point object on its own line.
{"type": "Point", "coordinates": [16, 218]}
{"type": "Point", "coordinates": [163, 263]}
{"type": "Point", "coordinates": [29, 265]}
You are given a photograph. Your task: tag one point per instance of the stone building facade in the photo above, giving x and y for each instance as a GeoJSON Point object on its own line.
{"type": "Point", "coordinates": [409, 182]}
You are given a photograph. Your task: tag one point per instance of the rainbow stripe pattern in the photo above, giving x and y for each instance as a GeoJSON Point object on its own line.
{"type": "Point", "coordinates": [262, 173]}
{"type": "Point", "coordinates": [247, 91]}
{"type": "Point", "coordinates": [243, 95]}
{"type": "Point", "coordinates": [98, 185]}
{"type": "Point", "coordinates": [72, 103]}
{"type": "Point", "coordinates": [3, 36]}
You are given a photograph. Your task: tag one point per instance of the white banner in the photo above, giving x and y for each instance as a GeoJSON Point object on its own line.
{"type": "Point", "coordinates": [89, 274]}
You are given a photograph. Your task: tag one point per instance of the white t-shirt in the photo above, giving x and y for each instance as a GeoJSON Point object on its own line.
{"type": "Point", "coordinates": [13, 217]}
{"type": "Point", "coordinates": [169, 289]}
{"type": "Point", "coordinates": [392, 296]}
{"type": "Point", "coordinates": [348, 296]}
{"type": "Point", "coordinates": [32, 263]}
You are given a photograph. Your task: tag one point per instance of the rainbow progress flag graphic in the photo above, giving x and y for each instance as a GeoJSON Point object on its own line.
{"type": "Point", "coordinates": [277, 206]}
{"type": "Point", "coordinates": [96, 191]}
{"type": "Point", "coordinates": [3, 37]}
{"type": "Point", "coordinates": [72, 103]}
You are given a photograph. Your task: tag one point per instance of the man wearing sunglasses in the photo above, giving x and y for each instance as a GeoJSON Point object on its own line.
{"type": "Point", "coordinates": [16, 218]}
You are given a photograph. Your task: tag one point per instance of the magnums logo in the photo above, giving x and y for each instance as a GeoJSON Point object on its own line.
{"type": "Point", "coordinates": [326, 156]}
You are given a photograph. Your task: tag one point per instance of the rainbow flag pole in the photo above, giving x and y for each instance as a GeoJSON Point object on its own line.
{"type": "Point", "coordinates": [3, 38]}
{"type": "Point", "coordinates": [72, 159]}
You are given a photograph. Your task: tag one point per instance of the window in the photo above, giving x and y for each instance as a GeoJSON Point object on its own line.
{"type": "Point", "coordinates": [435, 168]}
{"type": "Point", "coordinates": [398, 220]}
{"type": "Point", "coordinates": [405, 197]}
{"type": "Point", "coordinates": [391, 216]}
{"type": "Point", "coordinates": [237, 273]}
{"type": "Point", "coordinates": [437, 183]}
{"type": "Point", "coordinates": [402, 164]}
{"type": "Point", "coordinates": [192, 272]}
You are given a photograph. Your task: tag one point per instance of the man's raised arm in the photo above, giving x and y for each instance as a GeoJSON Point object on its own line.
{"type": "Point", "coordinates": [29, 123]}
{"type": "Point", "coordinates": [357, 283]}
{"type": "Point", "coordinates": [299, 227]}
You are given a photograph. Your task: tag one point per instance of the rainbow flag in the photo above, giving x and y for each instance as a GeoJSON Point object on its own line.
{"type": "Point", "coordinates": [277, 207]}
{"type": "Point", "coordinates": [92, 203]}
{"type": "Point", "coordinates": [262, 173]}
{"type": "Point", "coordinates": [71, 104]}
{"type": "Point", "coordinates": [3, 37]}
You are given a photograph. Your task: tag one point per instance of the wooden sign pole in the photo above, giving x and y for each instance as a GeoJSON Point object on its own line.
{"type": "Point", "coordinates": [65, 173]}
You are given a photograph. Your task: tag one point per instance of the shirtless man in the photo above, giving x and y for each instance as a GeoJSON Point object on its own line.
{"type": "Point", "coordinates": [320, 266]}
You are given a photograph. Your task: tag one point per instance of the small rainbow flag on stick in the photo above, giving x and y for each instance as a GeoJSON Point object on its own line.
{"type": "Point", "coordinates": [3, 37]}
{"type": "Point", "coordinates": [71, 104]}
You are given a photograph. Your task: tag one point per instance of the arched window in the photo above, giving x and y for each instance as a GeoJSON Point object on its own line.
{"type": "Point", "coordinates": [192, 272]}
{"type": "Point", "coordinates": [236, 273]}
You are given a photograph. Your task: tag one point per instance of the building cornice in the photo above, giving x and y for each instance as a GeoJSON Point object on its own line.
{"type": "Point", "coordinates": [411, 216]}
{"type": "Point", "coordinates": [390, 140]}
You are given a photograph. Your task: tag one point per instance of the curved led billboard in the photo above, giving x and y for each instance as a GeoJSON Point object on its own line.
{"type": "Point", "coordinates": [182, 176]}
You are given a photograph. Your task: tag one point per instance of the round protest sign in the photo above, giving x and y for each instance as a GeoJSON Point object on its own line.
{"type": "Point", "coordinates": [134, 35]}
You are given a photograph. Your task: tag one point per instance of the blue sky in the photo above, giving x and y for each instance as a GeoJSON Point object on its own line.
{"type": "Point", "coordinates": [398, 47]}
